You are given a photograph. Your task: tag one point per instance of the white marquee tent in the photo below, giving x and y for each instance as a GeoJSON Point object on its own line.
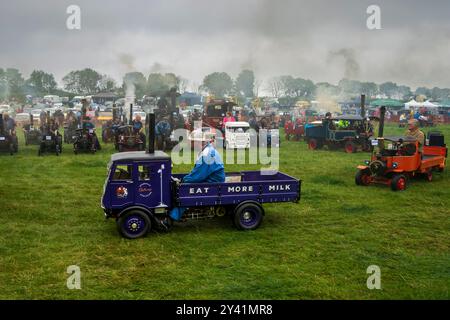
{"type": "Point", "coordinates": [414, 104]}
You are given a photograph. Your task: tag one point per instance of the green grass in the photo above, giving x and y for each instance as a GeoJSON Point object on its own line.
{"type": "Point", "coordinates": [320, 248]}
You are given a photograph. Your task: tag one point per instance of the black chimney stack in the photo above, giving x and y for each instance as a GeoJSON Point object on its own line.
{"type": "Point", "coordinates": [131, 114]}
{"type": "Point", "coordinates": [2, 128]}
{"type": "Point", "coordinates": [31, 121]}
{"type": "Point", "coordinates": [114, 112]}
{"type": "Point", "coordinates": [150, 120]}
{"type": "Point", "coordinates": [381, 127]}
{"type": "Point", "coordinates": [363, 108]}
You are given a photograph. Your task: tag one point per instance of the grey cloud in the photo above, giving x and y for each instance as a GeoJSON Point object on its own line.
{"type": "Point", "coordinates": [320, 40]}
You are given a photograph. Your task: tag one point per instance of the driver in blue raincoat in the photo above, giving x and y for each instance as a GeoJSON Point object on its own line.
{"type": "Point", "coordinates": [208, 168]}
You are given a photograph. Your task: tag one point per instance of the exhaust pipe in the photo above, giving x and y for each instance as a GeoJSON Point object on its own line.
{"type": "Point", "coordinates": [2, 127]}
{"type": "Point", "coordinates": [150, 119]}
{"type": "Point", "coordinates": [114, 112]}
{"type": "Point", "coordinates": [381, 127]}
{"type": "Point", "coordinates": [363, 103]}
{"type": "Point", "coordinates": [131, 114]}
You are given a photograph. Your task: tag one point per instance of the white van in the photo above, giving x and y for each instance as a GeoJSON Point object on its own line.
{"type": "Point", "coordinates": [52, 98]}
{"type": "Point", "coordinates": [237, 135]}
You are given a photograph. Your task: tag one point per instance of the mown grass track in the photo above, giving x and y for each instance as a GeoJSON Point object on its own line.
{"type": "Point", "coordinates": [50, 218]}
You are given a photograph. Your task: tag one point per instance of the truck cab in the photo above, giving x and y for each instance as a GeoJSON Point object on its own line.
{"type": "Point", "coordinates": [215, 110]}
{"type": "Point", "coordinates": [137, 179]}
{"type": "Point", "coordinates": [237, 135]}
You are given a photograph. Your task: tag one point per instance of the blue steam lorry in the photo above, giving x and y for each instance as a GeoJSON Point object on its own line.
{"type": "Point", "coordinates": [350, 132]}
{"type": "Point", "coordinates": [140, 190]}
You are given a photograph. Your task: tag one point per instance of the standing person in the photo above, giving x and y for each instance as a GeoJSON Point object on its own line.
{"type": "Point", "coordinates": [228, 118]}
{"type": "Point", "coordinates": [254, 123]}
{"type": "Point", "coordinates": [138, 128]}
{"type": "Point", "coordinates": [10, 124]}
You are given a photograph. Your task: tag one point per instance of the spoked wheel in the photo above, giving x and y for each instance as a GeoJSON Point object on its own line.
{"type": "Point", "coordinates": [314, 144]}
{"type": "Point", "coordinates": [134, 224]}
{"type": "Point", "coordinates": [363, 178]}
{"type": "Point", "coordinates": [399, 183]}
{"type": "Point", "coordinates": [350, 147]}
{"type": "Point", "coordinates": [248, 216]}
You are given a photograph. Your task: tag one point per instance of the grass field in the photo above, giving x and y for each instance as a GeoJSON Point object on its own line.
{"type": "Point", "coordinates": [320, 248]}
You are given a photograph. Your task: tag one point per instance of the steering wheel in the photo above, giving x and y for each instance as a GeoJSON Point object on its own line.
{"type": "Point", "coordinates": [408, 149]}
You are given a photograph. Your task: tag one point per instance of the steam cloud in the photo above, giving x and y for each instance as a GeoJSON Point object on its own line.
{"type": "Point", "coordinates": [320, 40]}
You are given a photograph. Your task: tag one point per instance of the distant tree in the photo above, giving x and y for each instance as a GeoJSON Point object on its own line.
{"type": "Point", "coordinates": [438, 94]}
{"type": "Point", "coordinates": [183, 84]}
{"type": "Point", "coordinates": [389, 88]}
{"type": "Point", "coordinates": [41, 82]}
{"type": "Point", "coordinates": [138, 81]}
{"type": "Point", "coordinates": [370, 89]}
{"type": "Point", "coordinates": [257, 86]}
{"type": "Point", "coordinates": [3, 84]}
{"type": "Point", "coordinates": [107, 84]}
{"type": "Point", "coordinates": [218, 83]}
{"type": "Point", "coordinates": [423, 91]}
{"type": "Point", "coordinates": [350, 88]}
{"type": "Point", "coordinates": [275, 86]}
{"type": "Point", "coordinates": [298, 87]}
{"type": "Point", "coordinates": [404, 92]}
{"type": "Point", "coordinates": [325, 89]}
{"type": "Point", "coordinates": [86, 81]}
{"type": "Point", "coordinates": [157, 84]}
{"type": "Point", "coordinates": [12, 84]}
{"type": "Point", "coordinates": [171, 80]}
{"type": "Point", "coordinates": [245, 83]}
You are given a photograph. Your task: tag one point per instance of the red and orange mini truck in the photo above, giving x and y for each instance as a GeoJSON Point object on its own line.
{"type": "Point", "coordinates": [397, 159]}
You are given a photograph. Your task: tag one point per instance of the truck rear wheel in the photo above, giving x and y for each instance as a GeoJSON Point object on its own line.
{"type": "Point", "coordinates": [399, 183]}
{"type": "Point", "coordinates": [314, 144]}
{"type": "Point", "coordinates": [134, 224]}
{"type": "Point", "coordinates": [248, 216]}
{"type": "Point", "coordinates": [350, 147]}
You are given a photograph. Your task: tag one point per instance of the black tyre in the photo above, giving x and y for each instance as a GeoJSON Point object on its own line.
{"type": "Point", "coordinates": [315, 144]}
{"type": "Point", "coordinates": [363, 177]}
{"type": "Point", "coordinates": [134, 224]}
{"type": "Point", "coordinates": [399, 182]}
{"type": "Point", "coordinates": [248, 216]}
{"type": "Point", "coordinates": [350, 147]}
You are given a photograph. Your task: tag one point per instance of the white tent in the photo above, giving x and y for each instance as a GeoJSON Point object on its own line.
{"type": "Point", "coordinates": [428, 104]}
{"type": "Point", "coordinates": [413, 104]}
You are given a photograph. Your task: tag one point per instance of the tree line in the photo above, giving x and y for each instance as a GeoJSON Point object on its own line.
{"type": "Point", "coordinates": [286, 88]}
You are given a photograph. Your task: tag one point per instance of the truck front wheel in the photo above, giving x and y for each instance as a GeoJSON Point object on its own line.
{"type": "Point", "coordinates": [314, 144]}
{"type": "Point", "coordinates": [248, 216]}
{"type": "Point", "coordinates": [363, 177]}
{"type": "Point", "coordinates": [134, 224]}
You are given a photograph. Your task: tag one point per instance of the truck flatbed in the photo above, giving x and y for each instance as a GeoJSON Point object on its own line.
{"type": "Point", "coordinates": [242, 186]}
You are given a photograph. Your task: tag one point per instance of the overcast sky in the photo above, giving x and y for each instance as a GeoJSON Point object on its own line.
{"type": "Point", "coordinates": [318, 40]}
